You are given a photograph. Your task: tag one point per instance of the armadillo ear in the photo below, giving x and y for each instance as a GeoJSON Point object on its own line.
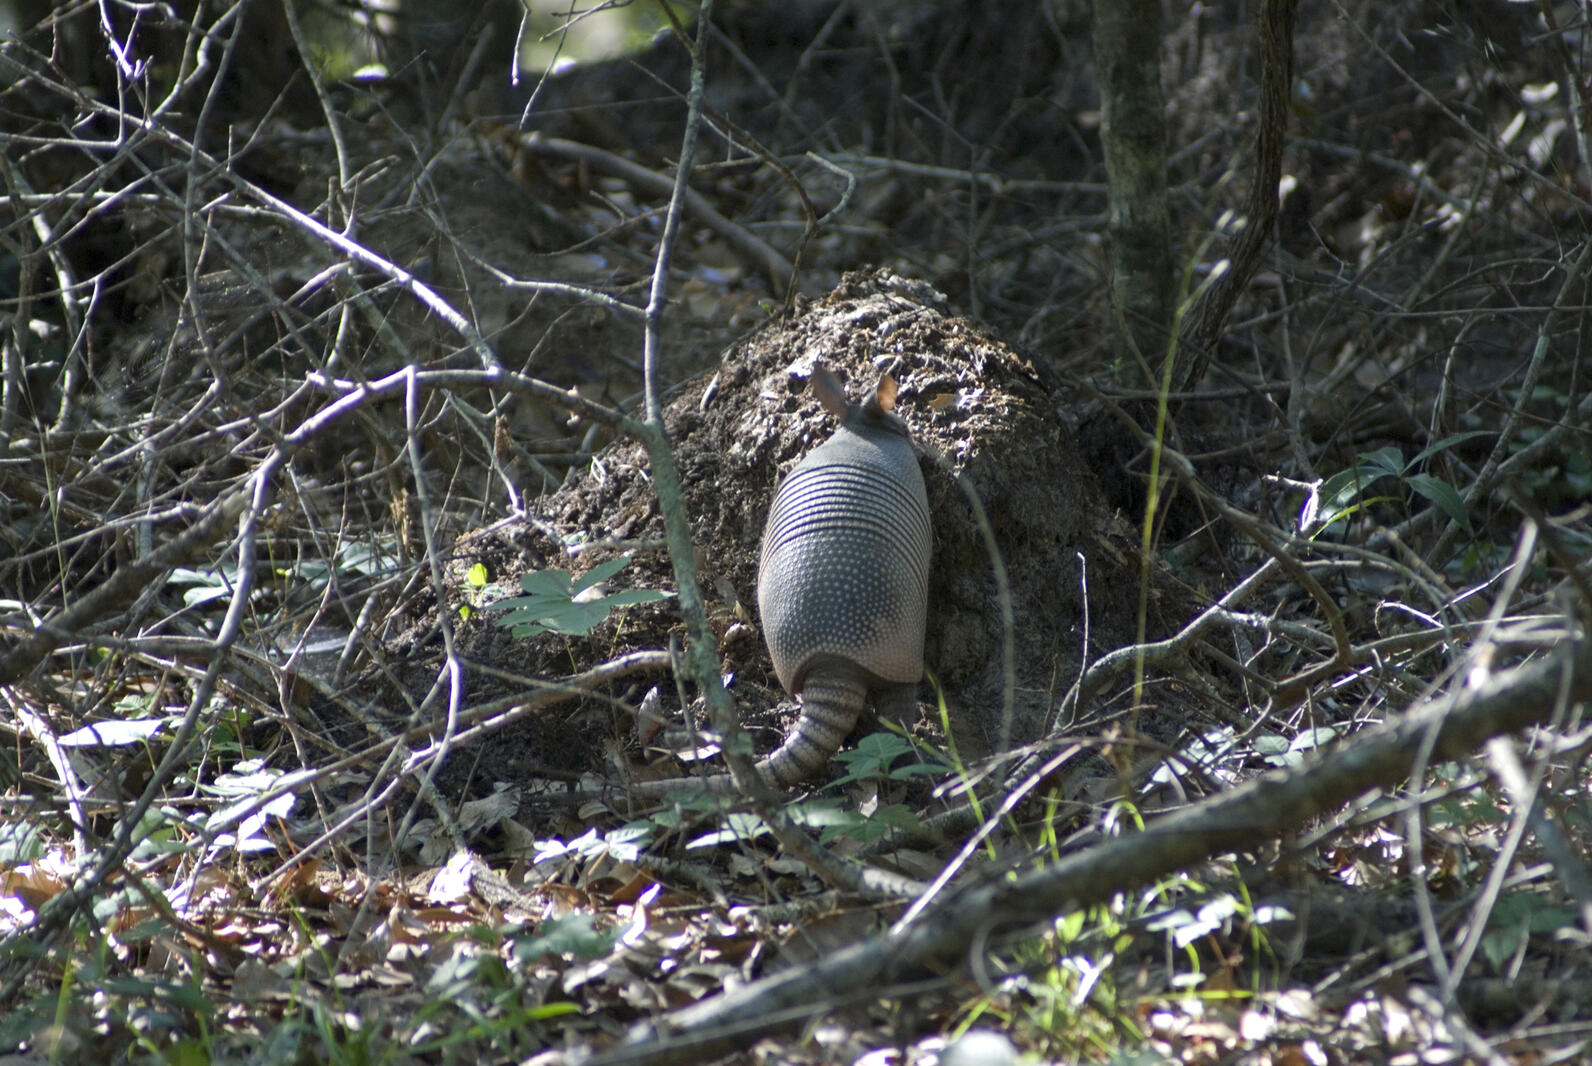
{"type": "Point", "coordinates": [884, 396]}
{"type": "Point", "coordinates": [830, 392]}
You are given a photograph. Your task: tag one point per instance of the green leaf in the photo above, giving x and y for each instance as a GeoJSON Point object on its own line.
{"type": "Point", "coordinates": [370, 559]}
{"type": "Point", "coordinates": [1443, 495]}
{"type": "Point", "coordinates": [601, 572]}
{"type": "Point", "coordinates": [546, 583]}
{"type": "Point", "coordinates": [476, 576]}
{"type": "Point", "coordinates": [1344, 487]}
{"type": "Point", "coordinates": [115, 733]}
{"type": "Point", "coordinates": [820, 813]}
{"type": "Point", "coordinates": [629, 597]}
{"type": "Point", "coordinates": [873, 757]}
{"type": "Point", "coordinates": [1578, 473]}
{"type": "Point", "coordinates": [1314, 737]}
{"type": "Point", "coordinates": [1333, 514]}
{"type": "Point", "coordinates": [546, 611]}
{"type": "Point", "coordinates": [576, 934]}
{"type": "Point", "coordinates": [20, 842]}
{"type": "Point", "coordinates": [739, 825]}
{"type": "Point", "coordinates": [862, 830]}
{"type": "Point", "coordinates": [898, 816]}
{"type": "Point", "coordinates": [554, 601]}
{"type": "Point", "coordinates": [1269, 744]}
{"type": "Point", "coordinates": [1292, 752]}
{"type": "Point", "coordinates": [919, 769]}
{"type": "Point", "coordinates": [552, 1010]}
{"type": "Point", "coordinates": [1387, 460]}
{"type": "Point", "coordinates": [1448, 442]}
{"type": "Point", "coordinates": [205, 586]}
{"type": "Point", "coordinates": [1515, 917]}
{"type": "Point", "coordinates": [1551, 918]}
{"type": "Point", "coordinates": [185, 996]}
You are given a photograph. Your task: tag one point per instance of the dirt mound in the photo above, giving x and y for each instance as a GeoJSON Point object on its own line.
{"type": "Point", "coordinates": [969, 400]}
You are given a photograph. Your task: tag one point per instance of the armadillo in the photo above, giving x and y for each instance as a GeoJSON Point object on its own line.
{"type": "Point", "coordinates": [842, 584]}
{"type": "Point", "coordinates": [843, 578]}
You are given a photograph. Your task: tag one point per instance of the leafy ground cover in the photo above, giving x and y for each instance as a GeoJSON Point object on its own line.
{"type": "Point", "coordinates": [305, 369]}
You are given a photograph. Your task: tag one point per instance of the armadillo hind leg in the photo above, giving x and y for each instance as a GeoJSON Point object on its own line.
{"type": "Point", "coordinates": [897, 704]}
{"type": "Point", "coordinates": [830, 706]}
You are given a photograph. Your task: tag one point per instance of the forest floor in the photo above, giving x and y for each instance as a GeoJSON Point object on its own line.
{"type": "Point", "coordinates": [1253, 729]}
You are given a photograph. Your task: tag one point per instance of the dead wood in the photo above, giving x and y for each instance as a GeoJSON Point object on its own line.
{"type": "Point", "coordinates": [988, 914]}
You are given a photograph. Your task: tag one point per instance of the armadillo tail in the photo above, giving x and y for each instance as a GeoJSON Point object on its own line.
{"type": "Point", "coordinates": [830, 706]}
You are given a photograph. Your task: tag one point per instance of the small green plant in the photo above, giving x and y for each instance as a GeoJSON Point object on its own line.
{"type": "Point", "coordinates": [557, 602]}
{"type": "Point", "coordinates": [874, 756]}
{"type": "Point", "coordinates": [1516, 917]}
{"type": "Point", "coordinates": [205, 586]}
{"type": "Point", "coordinates": [584, 936]}
{"type": "Point", "coordinates": [618, 845]}
{"type": "Point", "coordinates": [1344, 493]}
{"type": "Point", "coordinates": [829, 816]}
{"type": "Point", "coordinates": [475, 580]}
{"type": "Point", "coordinates": [1562, 476]}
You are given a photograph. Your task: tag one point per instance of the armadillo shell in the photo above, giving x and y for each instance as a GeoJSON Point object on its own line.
{"type": "Point", "coordinates": [844, 571]}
